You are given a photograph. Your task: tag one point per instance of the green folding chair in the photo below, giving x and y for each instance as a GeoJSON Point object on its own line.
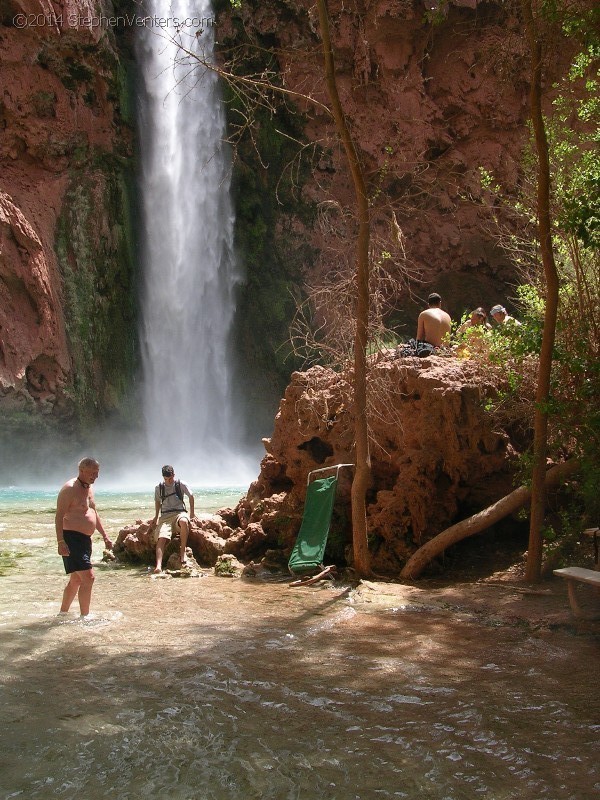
{"type": "Point", "coordinates": [308, 553]}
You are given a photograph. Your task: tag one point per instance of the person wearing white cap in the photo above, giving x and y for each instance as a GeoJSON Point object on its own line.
{"type": "Point", "coordinates": [500, 317]}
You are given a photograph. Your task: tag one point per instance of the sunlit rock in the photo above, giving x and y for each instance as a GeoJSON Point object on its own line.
{"type": "Point", "coordinates": [228, 566]}
{"type": "Point", "coordinates": [437, 455]}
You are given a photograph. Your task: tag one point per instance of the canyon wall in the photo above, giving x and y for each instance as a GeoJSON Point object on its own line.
{"type": "Point", "coordinates": [67, 316]}
{"type": "Point", "coordinates": [436, 97]}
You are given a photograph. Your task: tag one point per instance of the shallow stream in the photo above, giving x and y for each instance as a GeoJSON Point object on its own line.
{"type": "Point", "coordinates": [224, 689]}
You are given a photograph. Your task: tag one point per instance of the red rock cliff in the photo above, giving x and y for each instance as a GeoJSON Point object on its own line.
{"type": "Point", "coordinates": [61, 135]}
{"type": "Point", "coordinates": [433, 93]}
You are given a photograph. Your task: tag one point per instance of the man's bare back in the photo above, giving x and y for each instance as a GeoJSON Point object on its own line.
{"type": "Point", "coordinates": [433, 326]}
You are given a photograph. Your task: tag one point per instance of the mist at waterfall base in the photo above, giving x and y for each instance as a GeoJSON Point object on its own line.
{"type": "Point", "coordinates": [47, 464]}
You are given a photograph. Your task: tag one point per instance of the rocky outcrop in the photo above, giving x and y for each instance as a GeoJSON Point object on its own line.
{"type": "Point", "coordinates": [437, 455]}
{"type": "Point", "coordinates": [65, 240]}
{"type": "Point", "coordinates": [210, 539]}
{"type": "Point", "coordinates": [34, 362]}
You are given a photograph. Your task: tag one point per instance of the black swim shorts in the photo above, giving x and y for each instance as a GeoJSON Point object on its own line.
{"type": "Point", "coordinates": [80, 551]}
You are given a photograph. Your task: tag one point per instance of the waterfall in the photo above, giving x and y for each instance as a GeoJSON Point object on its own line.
{"type": "Point", "coordinates": [189, 267]}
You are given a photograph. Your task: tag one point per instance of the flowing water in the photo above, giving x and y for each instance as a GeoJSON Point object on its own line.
{"type": "Point", "coordinates": [224, 689]}
{"type": "Point", "coordinates": [190, 271]}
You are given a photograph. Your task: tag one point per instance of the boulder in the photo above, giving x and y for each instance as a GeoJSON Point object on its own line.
{"type": "Point", "coordinates": [228, 566]}
{"type": "Point", "coordinates": [437, 454]}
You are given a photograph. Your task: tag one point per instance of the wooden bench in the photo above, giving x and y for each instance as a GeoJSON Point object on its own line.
{"type": "Point", "coordinates": [574, 575]}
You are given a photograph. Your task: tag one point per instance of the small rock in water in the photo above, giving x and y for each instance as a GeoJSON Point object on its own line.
{"type": "Point", "coordinates": [191, 568]}
{"type": "Point", "coordinates": [228, 566]}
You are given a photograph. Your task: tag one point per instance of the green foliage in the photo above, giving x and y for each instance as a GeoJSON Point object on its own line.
{"type": "Point", "coordinates": [381, 178]}
{"type": "Point", "coordinates": [224, 568]}
{"type": "Point", "coordinates": [561, 537]}
{"type": "Point", "coordinates": [573, 131]}
{"type": "Point", "coordinates": [488, 182]}
{"type": "Point", "coordinates": [574, 136]}
{"type": "Point", "coordinates": [525, 339]}
{"type": "Point", "coordinates": [226, 5]}
{"type": "Point", "coordinates": [436, 14]}
{"type": "Point", "coordinates": [575, 382]}
{"type": "Point", "coordinates": [510, 352]}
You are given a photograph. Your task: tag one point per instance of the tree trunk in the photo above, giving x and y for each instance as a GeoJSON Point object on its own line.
{"type": "Point", "coordinates": [480, 521]}
{"type": "Point", "coordinates": [362, 474]}
{"type": "Point", "coordinates": [540, 426]}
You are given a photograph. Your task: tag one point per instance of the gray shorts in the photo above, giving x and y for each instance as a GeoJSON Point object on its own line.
{"type": "Point", "coordinates": [170, 522]}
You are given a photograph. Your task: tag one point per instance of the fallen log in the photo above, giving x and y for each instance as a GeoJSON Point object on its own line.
{"type": "Point", "coordinates": [483, 519]}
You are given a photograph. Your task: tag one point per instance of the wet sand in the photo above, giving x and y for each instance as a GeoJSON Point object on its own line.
{"type": "Point", "coordinates": [218, 688]}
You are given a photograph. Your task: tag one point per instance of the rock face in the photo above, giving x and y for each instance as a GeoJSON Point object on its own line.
{"type": "Point", "coordinates": [434, 94]}
{"type": "Point", "coordinates": [436, 457]}
{"type": "Point", "coordinates": [65, 259]}
{"type": "Point", "coordinates": [34, 360]}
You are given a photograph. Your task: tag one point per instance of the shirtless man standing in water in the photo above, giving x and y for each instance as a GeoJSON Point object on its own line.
{"type": "Point", "coordinates": [434, 324]}
{"type": "Point", "coordinates": [76, 521]}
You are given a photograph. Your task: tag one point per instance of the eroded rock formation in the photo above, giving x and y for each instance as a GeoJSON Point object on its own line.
{"type": "Point", "coordinates": [437, 455]}
{"type": "Point", "coordinates": [34, 361]}
{"type": "Point", "coordinates": [64, 237]}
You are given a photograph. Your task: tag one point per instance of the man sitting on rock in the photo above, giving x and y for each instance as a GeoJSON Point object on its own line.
{"type": "Point", "coordinates": [434, 324]}
{"type": "Point", "coordinates": [169, 504]}
{"type": "Point", "coordinates": [433, 331]}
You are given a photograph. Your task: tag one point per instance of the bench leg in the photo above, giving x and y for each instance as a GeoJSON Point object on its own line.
{"type": "Point", "coordinates": [575, 608]}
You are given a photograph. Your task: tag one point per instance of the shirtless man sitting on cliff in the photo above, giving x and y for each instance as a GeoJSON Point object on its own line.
{"type": "Point", "coordinates": [434, 324]}
{"type": "Point", "coordinates": [76, 520]}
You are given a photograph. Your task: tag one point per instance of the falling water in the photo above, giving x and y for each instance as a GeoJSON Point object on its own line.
{"type": "Point", "coordinates": [190, 270]}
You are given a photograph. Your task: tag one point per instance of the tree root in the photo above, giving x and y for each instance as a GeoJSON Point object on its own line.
{"type": "Point", "coordinates": [483, 519]}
